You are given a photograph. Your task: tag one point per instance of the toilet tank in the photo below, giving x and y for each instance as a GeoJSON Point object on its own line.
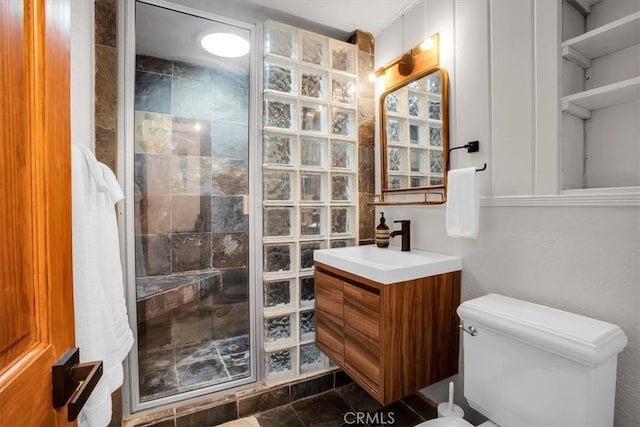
{"type": "Point", "coordinates": [531, 365]}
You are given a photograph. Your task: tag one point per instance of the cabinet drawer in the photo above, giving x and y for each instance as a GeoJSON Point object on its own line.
{"type": "Point", "coordinates": [362, 355]}
{"type": "Point", "coordinates": [362, 311]}
{"type": "Point", "coordinates": [329, 294]}
{"type": "Point", "coordinates": [330, 336]}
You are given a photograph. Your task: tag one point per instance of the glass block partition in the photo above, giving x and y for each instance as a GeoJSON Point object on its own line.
{"type": "Point", "coordinates": [309, 183]}
{"type": "Point", "coordinates": [414, 134]}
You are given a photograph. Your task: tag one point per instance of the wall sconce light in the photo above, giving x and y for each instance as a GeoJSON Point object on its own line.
{"type": "Point", "coordinates": [405, 64]}
{"type": "Point", "coordinates": [427, 44]}
{"type": "Point", "coordinates": [406, 61]}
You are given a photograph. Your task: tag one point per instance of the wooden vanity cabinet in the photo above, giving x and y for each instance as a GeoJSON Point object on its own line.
{"type": "Point", "coordinates": [329, 318]}
{"type": "Point", "coordinates": [391, 339]}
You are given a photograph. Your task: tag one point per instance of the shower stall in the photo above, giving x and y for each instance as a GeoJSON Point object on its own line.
{"type": "Point", "coordinates": [235, 170]}
{"type": "Point", "coordinates": [186, 164]}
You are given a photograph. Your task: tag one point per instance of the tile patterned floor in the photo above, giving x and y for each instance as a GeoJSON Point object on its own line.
{"type": "Point", "coordinates": [341, 406]}
{"type": "Point", "coordinates": [169, 371]}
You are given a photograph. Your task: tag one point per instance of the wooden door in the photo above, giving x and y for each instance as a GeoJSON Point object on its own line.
{"type": "Point", "coordinates": [36, 300]}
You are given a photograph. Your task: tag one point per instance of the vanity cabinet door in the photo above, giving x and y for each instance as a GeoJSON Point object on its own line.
{"type": "Point", "coordinates": [329, 316]}
{"type": "Point", "coordinates": [362, 335]}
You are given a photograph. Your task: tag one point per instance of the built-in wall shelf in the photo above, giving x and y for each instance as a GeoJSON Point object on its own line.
{"type": "Point", "coordinates": [580, 104]}
{"type": "Point", "coordinates": [609, 38]}
{"type": "Point", "coordinates": [583, 6]}
{"type": "Point", "coordinates": [601, 83]}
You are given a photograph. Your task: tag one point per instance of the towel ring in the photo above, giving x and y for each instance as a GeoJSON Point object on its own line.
{"type": "Point", "coordinates": [472, 147]}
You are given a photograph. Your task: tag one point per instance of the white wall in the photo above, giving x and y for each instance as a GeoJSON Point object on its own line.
{"type": "Point", "coordinates": [584, 259]}
{"type": "Point", "coordinates": [82, 73]}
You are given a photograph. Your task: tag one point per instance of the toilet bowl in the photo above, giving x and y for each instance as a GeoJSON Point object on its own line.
{"type": "Point", "coordinates": [453, 422]}
{"type": "Point", "coordinates": [446, 422]}
{"type": "Point", "coordinates": [528, 364]}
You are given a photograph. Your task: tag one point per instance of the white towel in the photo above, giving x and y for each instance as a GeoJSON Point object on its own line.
{"type": "Point", "coordinates": [102, 326]}
{"type": "Point", "coordinates": [463, 203]}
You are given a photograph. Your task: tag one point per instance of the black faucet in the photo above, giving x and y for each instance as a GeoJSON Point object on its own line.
{"type": "Point", "coordinates": [405, 232]}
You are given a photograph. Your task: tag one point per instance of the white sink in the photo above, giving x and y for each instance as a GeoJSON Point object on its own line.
{"type": "Point", "coordinates": [387, 265]}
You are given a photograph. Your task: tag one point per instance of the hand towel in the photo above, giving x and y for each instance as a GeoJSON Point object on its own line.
{"type": "Point", "coordinates": [101, 322]}
{"type": "Point", "coordinates": [463, 203]}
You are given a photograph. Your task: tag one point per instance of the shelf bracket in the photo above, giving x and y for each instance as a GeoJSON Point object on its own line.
{"type": "Point", "coordinates": [575, 110]}
{"type": "Point", "coordinates": [583, 6]}
{"type": "Point", "coordinates": [576, 57]}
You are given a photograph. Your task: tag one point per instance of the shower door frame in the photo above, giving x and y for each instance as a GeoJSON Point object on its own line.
{"type": "Point", "coordinates": [125, 162]}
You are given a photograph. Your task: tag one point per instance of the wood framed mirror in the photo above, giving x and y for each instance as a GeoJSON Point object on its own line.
{"type": "Point", "coordinates": [414, 124]}
{"type": "Point", "coordinates": [414, 132]}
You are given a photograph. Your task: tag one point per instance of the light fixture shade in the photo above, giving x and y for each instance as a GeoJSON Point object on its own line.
{"type": "Point", "coordinates": [427, 44]}
{"type": "Point", "coordinates": [225, 44]}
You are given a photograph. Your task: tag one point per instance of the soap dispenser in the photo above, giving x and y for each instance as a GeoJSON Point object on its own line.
{"type": "Point", "coordinates": [382, 233]}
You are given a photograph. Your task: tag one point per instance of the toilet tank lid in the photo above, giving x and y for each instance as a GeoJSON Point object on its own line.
{"type": "Point", "coordinates": [579, 338]}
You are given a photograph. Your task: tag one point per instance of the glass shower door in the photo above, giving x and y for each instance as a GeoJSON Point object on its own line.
{"type": "Point", "coordinates": [190, 185]}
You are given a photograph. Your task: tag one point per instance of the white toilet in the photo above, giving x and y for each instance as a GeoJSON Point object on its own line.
{"type": "Point", "coordinates": [528, 365]}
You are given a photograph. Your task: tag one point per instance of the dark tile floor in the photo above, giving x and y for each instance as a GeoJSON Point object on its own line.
{"type": "Point", "coordinates": [169, 371]}
{"type": "Point", "coordinates": [345, 406]}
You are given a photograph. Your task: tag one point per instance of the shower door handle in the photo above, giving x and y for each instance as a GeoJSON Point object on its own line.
{"type": "Point", "coordinates": [73, 382]}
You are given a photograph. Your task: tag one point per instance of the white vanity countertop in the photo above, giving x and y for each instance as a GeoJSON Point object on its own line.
{"type": "Point", "coordinates": [388, 265]}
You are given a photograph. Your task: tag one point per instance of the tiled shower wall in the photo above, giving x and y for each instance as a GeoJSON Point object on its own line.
{"type": "Point", "coordinates": [190, 169]}
{"type": "Point", "coordinates": [192, 236]}
{"type": "Point", "coordinates": [366, 137]}
{"type": "Point", "coordinates": [106, 82]}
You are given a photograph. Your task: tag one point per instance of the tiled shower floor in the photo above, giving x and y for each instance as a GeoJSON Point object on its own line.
{"type": "Point", "coordinates": [165, 372]}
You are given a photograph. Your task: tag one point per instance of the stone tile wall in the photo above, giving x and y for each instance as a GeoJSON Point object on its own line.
{"type": "Point", "coordinates": [106, 82]}
{"type": "Point", "coordinates": [366, 136]}
{"type": "Point", "coordinates": [191, 154]}
{"type": "Point", "coordinates": [106, 112]}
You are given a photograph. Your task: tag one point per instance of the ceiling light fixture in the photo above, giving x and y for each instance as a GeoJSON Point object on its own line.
{"type": "Point", "coordinates": [225, 44]}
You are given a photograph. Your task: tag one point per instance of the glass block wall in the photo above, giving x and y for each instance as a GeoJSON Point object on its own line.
{"type": "Point", "coordinates": [309, 183]}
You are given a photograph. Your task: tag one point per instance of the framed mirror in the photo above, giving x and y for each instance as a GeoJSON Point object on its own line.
{"type": "Point", "coordinates": [414, 132]}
